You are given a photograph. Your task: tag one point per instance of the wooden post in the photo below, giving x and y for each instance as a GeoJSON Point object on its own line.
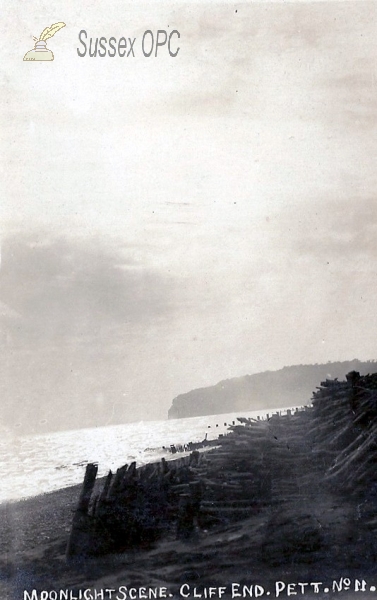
{"type": "Point", "coordinates": [87, 487]}
{"type": "Point", "coordinates": [81, 538]}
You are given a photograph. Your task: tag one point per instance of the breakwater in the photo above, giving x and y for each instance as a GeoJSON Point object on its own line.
{"type": "Point", "coordinates": [305, 477]}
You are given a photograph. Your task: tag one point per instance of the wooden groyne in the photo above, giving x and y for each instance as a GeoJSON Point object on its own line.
{"type": "Point", "coordinates": [279, 467]}
{"type": "Point", "coordinates": [135, 506]}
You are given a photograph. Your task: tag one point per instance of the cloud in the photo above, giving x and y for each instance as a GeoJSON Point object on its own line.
{"type": "Point", "coordinates": [343, 233]}
{"type": "Point", "coordinates": [77, 318]}
{"type": "Point", "coordinates": [63, 287]}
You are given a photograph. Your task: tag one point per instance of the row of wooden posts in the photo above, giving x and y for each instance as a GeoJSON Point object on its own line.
{"type": "Point", "coordinates": [136, 506]}
{"type": "Point", "coordinates": [249, 470]}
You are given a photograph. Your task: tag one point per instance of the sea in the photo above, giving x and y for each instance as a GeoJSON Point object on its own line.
{"type": "Point", "coordinates": [33, 465]}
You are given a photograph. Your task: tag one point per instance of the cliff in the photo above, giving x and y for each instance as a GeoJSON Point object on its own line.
{"type": "Point", "coordinates": [289, 386]}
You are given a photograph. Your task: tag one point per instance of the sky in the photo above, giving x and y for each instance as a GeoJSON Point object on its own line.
{"type": "Point", "coordinates": [167, 223]}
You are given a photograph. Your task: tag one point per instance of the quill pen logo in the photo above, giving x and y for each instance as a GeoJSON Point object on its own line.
{"type": "Point", "coordinates": [40, 51]}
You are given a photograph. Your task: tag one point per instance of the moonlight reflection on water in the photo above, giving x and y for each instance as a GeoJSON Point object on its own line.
{"type": "Point", "coordinates": [32, 465]}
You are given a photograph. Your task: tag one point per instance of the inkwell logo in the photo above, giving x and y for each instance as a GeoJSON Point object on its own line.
{"type": "Point", "coordinates": [40, 51]}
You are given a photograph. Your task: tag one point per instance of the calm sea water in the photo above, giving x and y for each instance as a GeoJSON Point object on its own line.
{"type": "Point", "coordinates": [32, 465]}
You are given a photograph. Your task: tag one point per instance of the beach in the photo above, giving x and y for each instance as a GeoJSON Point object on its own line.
{"type": "Point", "coordinates": [34, 536]}
{"type": "Point", "coordinates": [304, 534]}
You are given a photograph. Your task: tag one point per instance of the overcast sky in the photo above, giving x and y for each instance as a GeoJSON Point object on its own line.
{"type": "Point", "coordinates": [170, 222]}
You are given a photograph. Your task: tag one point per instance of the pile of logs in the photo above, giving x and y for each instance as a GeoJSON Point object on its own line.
{"type": "Point", "coordinates": [345, 429]}
{"type": "Point", "coordinates": [237, 480]}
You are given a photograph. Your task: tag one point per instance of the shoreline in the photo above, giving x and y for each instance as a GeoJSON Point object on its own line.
{"type": "Point", "coordinates": [58, 460]}
{"type": "Point", "coordinates": [304, 534]}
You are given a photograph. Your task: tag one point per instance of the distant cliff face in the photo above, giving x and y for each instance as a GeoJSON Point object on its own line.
{"type": "Point", "coordinates": [289, 386]}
